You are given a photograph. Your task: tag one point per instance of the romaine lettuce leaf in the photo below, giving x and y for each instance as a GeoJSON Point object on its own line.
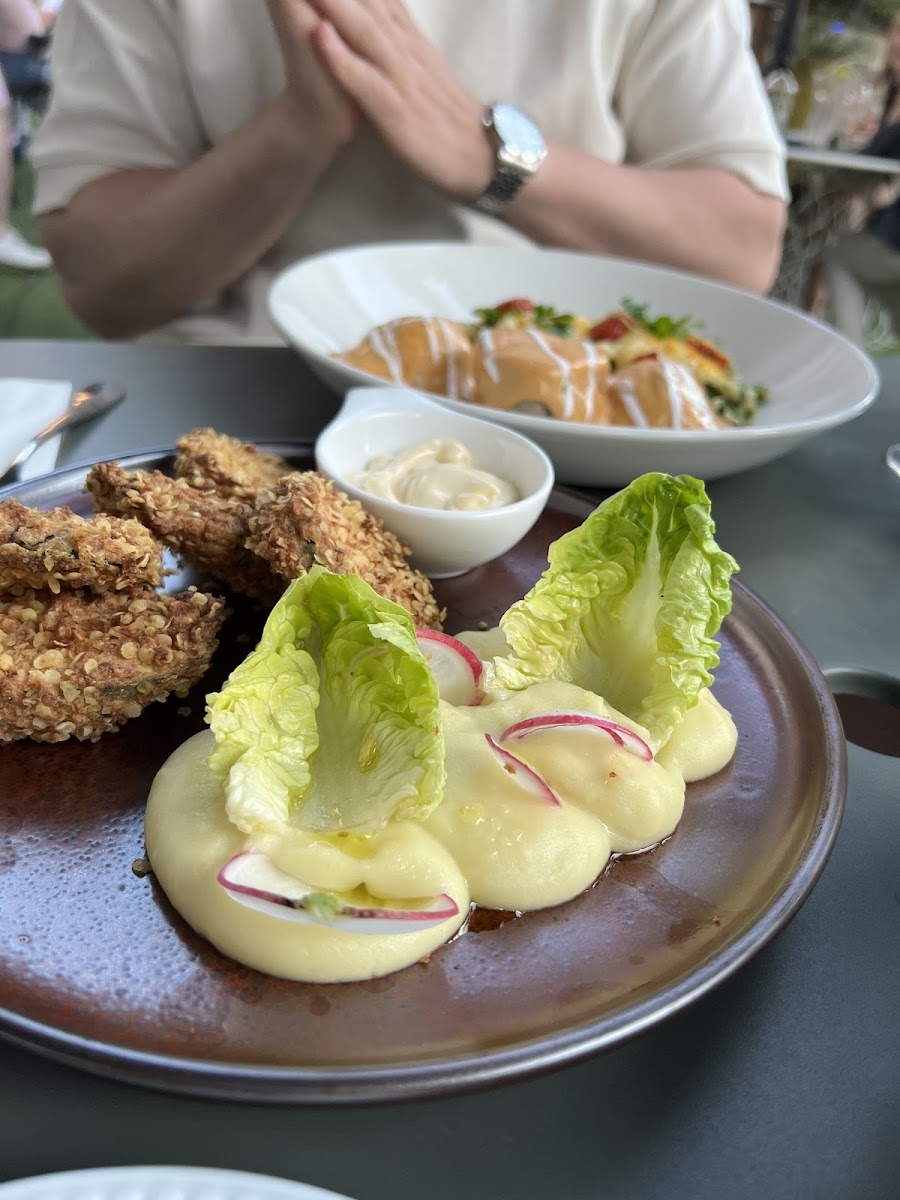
{"type": "Point", "coordinates": [629, 606]}
{"type": "Point", "coordinates": [332, 722]}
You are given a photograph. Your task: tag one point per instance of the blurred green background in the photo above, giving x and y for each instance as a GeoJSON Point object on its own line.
{"type": "Point", "coordinates": [31, 305]}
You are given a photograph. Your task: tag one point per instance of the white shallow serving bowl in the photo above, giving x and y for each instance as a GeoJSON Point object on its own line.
{"type": "Point", "coordinates": [377, 421]}
{"type": "Point", "coordinates": [817, 378]}
{"type": "Point", "coordinates": [160, 1183]}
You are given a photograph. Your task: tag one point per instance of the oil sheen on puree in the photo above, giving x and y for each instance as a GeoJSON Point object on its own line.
{"type": "Point", "coordinates": [491, 841]}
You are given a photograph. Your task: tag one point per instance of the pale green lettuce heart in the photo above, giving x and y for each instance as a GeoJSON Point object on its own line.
{"type": "Point", "coordinates": [629, 606]}
{"type": "Point", "coordinates": [332, 722]}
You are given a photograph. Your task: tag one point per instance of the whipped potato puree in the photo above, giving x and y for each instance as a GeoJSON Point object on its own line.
{"type": "Point", "coordinates": [435, 474]}
{"type": "Point", "coordinates": [491, 839]}
{"type": "Point", "coordinates": [189, 839]}
{"type": "Point", "coordinates": [519, 851]}
{"type": "Point", "coordinates": [703, 743]}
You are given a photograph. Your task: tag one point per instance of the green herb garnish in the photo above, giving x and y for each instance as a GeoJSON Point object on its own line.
{"type": "Point", "coordinates": [546, 317]}
{"type": "Point", "coordinates": [741, 407]}
{"type": "Point", "coordinates": [323, 906]}
{"type": "Point", "coordinates": [661, 327]}
{"type": "Point", "coordinates": [489, 317]}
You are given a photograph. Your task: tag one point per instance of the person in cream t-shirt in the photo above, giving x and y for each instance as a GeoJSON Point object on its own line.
{"type": "Point", "coordinates": [192, 149]}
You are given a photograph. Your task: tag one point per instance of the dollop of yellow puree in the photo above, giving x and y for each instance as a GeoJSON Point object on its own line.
{"type": "Point", "coordinates": [492, 841]}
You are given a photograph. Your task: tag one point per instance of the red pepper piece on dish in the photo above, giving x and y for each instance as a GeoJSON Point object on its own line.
{"type": "Point", "coordinates": [520, 304]}
{"type": "Point", "coordinates": [708, 350]}
{"type": "Point", "coordinates": [610, 329]}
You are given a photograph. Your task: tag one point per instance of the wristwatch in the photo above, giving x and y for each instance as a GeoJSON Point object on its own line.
{"type": "Point", "coordinates": [520, 151]}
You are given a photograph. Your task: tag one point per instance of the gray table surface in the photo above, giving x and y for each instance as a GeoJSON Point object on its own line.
{"type": "Point", "coordinates": [781, 1083]}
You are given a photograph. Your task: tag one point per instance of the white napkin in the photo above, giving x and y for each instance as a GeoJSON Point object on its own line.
{"type": "Point", "coordinates": [26, 406]}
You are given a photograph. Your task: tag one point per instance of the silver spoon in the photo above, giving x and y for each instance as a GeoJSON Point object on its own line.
{"type": "Point", "coordinates": [892, 458]}
{"type": "Point", "coordinates": [86, 404]}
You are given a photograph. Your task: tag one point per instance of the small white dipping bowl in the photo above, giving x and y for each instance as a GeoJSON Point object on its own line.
{"type": "Point", "coordinates": [385, 420]}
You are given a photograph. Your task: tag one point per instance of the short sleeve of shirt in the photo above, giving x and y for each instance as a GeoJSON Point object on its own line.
{"type": "Point", "coordinates": [120, 97]}
{"type": "Point", "coordinates": [690, 94]}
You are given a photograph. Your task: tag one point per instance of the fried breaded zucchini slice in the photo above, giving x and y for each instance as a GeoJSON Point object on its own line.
{"type": "Point", "coordinates": [55, 548]}
{"type": "Point", "coordinates": [226, 465]}
{"type": "Point", "coordinates": [79, 665]}
{"type": "Point", "coordinates": [307, 520]}
{"type": "Point", "coordinates": [204, 529]}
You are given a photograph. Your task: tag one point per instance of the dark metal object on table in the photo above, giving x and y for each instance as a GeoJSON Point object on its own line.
{"type": "Point", "coordinates": [86, 404]}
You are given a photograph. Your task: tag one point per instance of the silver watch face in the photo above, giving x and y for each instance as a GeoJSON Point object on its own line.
{"type": "Point", "coordinates": [519, 135]}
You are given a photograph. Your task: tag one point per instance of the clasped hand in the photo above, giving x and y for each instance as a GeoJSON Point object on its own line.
{"type": "Point", "coordinates": [350, 58]}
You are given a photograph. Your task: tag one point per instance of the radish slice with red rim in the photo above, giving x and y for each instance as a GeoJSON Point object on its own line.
{"type": "Point", "coordinates": [523, 774]}
{"type": "Point", "coordinates": [253, 880]}
{"type": "Point", "coordinates": [622, 736]}
{"type": "Point", "coordinates": [456, 669]}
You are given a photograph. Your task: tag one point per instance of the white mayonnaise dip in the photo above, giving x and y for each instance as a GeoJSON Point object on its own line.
{"type": "Point", "coordinates": [435, 474]}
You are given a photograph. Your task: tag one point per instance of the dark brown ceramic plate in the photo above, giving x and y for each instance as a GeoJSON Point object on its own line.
{"type": "Point", "coordinates": [97, 970]}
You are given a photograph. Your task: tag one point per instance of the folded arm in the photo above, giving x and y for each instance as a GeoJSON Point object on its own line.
{"type": "Point", "coordinates": [693, 213]}
{"type": "Point", "coordinates": [136, 248]}
{"type": "Point", "coordinates": [696, 219]}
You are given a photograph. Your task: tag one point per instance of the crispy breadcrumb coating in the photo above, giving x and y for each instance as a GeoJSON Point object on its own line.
{"type": "Point", "coordinates": [80, 665]}
{"type": "Point", "coordinates": [57, 549]}
{"type": "Point", "coordinates": [210, 460]}
{"type": "Point", "coordinates": [306, 520]}
{"type": "Point", "coordinates": [204, 529]}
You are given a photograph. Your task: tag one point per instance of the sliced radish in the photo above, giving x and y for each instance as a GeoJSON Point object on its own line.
{"type": "Point", "coordinates": [580, 720]}
{"type": "Point", "coordinates": [455, 667]}
{"type": "Point", "coordinates": [523, 774]}
{"type": "Point", "coordinates": [252, 879]}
